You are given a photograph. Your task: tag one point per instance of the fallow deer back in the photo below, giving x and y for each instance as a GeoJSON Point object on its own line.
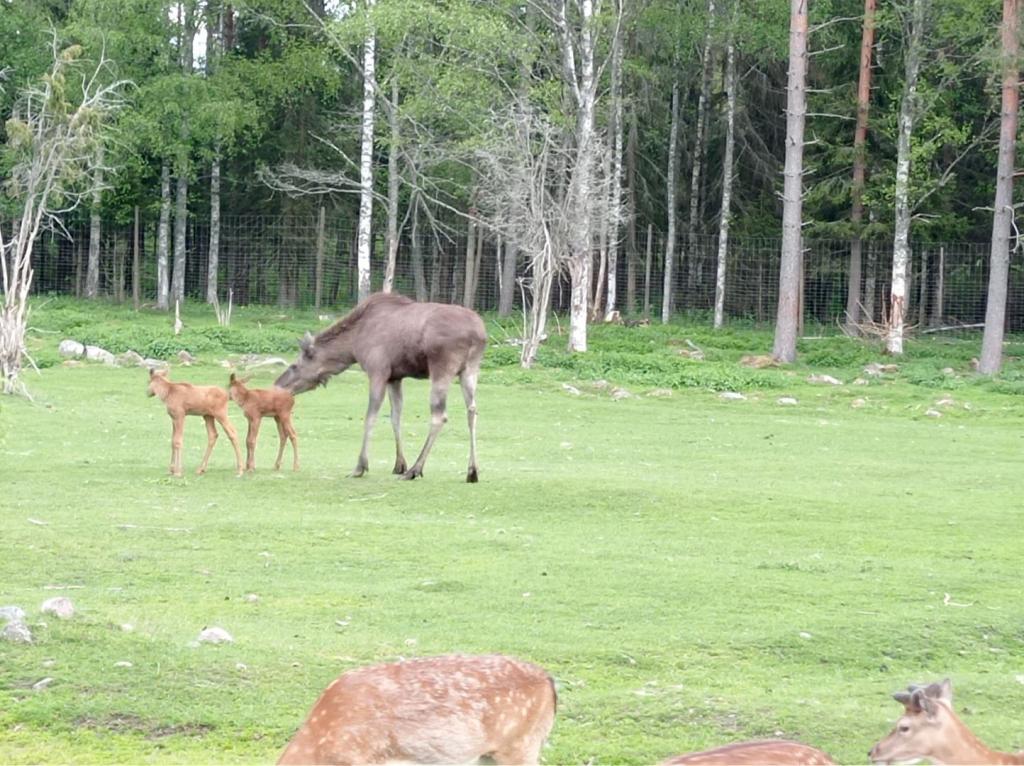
{"type": "Point", "coordinates": [779, 752]}
{"type": "Point", "coordinates": [448, 709]}
{"type": "Point", "coordinates": [930, 730]}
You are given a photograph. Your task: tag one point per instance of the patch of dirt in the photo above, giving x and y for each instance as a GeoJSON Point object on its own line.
{"type": "Point", "coordinates": [126, 723]}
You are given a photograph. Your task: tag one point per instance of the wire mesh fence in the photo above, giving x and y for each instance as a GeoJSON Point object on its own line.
{"type": "Point", "coordinates": [292, 262]}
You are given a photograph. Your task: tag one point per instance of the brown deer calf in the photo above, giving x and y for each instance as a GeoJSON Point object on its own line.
{"type": "Point", "coordinates": [258, 403]}
{"type": "Point", "coordinates": [183, 399]}
{"type": "Point", "coordinates": [448, 709]}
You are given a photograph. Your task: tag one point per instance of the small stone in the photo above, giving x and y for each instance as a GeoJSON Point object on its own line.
{"type": "Point", "coordinates": [127, 627]}
{"type": "Point", "coordinates": [860, 382]}
{"type": "Point", "coordinates": [858, 403]}
{"type": "Point", "coordinates": [660, 393]}
{"type": "Point", "coordinates": [58, 606]}
{"type": "Point", "coordinates": [946, 401]}
{"type": "Point", "coordinates": [571, 389]}
{"type": "Point", "coordinates": [933, 413]}
{"type": "Point", "coordinates": [620, 393]}
{"type": "Point", "coordinates": [122, 664]}
{"type": "Point", "coordinates": [786, 401]}
{"type": "Point", "coordinates": [600, 384]}
{"type": "Point", "coordinates": [805, 634]}
{"type": "Point", "coordinates": [825, 379]}
{"type": "Point", "coordinates": [732, 396]}
{"type": "Point", "coordinates": [241, 666]}
{"type": "Point", "coordinates": [410, 642]}
{"type": "Point", "coordinates": [758, 361]}
{"type": "Point", "coordinates": [41, 684]}
{"type": "Point", "coordinates": [71, 348]}
{"type": "Point", "coordinates": [215, 636]}
{"type": "Point", "coordinates": [948, 371]}
{"type": "Point", "coordinates": [130, 359]}
{"type": "Point", "coordinates": [876, 368]}
{"type": "Point", "coordinates": [97, 354]}
{"type": "Point", "coordinates": [12, 613]}
{"type": "Point", "coordinates": [16, 632]}
{"type": "Point", "coordinates": [252, 598]}
{"type": "Point", "coordinates": [185, 357]}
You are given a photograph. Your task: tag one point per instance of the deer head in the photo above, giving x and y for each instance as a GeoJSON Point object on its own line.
{"type": "Point", "coordinates": [924, 728]}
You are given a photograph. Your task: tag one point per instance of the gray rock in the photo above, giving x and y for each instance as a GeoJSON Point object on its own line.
{"type": "Point", "coordinates": [826, 379]}
{"type": "Point", "coordinates": [933, 413]}
{"type": "Point", "coordinates": [620, 393]}
{"type": "Point", "coordinates": [130, 359]}
{"type": "Point", "coordinates": [16, 632]}
{"type": "Point", "coordinates": [71, 348]}
{"type": "Point", "coordinates": [185, 357]}
{"type": "Point", "coordinates": [660, 392]}
{"type": "Point", "coordinates": [786, 401]}
{"type": "Point", "coordinates": [571, 389]}
{"type": "Point", "coordinates": [11, 613]}
{"type": "Point", "coordinates": [732, 396]}
{"type": "Point", "coordinates": [59, 606]}
{"type": "Point", "coordinates": [41, 684]}
{"type": "Point", "coordinates": [97, 354]}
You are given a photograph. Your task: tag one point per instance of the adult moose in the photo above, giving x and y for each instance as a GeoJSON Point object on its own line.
{"type": "Point", "coordinates": [393, 337]}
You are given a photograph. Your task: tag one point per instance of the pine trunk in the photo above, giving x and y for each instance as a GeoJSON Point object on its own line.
{"type": "Point", "coordinates": [787, 319]}
{"type": "Point", "coordinates": [853, 297]}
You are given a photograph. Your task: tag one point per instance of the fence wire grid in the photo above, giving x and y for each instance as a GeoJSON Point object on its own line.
{"type": "Point", "coordinates": [279, 260]}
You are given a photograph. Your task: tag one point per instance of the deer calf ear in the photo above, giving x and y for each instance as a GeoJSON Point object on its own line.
{"type": "Point", "coordinates": [232, 378]}
{"type": "Point", "coordinates": [307, 341]}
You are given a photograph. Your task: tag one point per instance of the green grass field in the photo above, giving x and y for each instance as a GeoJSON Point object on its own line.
{"type": "Point", "coordinates": [693, 571]}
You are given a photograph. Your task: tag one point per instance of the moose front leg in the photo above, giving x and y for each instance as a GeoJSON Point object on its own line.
{"type": "Point", "coordinates": [377, 386]}
{"type": "Point", "coordinates": [395, 394]}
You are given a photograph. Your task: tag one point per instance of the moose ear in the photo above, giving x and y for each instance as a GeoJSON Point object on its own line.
{"type": "Point", "coordinates": [232, 378]}
{"type": "Point", "coordinates": [307, 341]}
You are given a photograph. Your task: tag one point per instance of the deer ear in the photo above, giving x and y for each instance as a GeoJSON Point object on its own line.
{"type": "Point", "coordinates": [232, 378]}
{"type": "Point", "coordinates": [920, 700]}
{"type": "Point", "coordinates": [942, 691]}
{"type": "Point", "coordinates": [307, 341]}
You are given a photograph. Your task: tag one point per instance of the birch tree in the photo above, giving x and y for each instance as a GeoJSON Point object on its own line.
{"type": "Point", "coordinates": [901, 236]}
{"type": "Point", "coordinates": [187, 10]}
{"type": "Point", "coordinates": [670, 196]}
{"type": "Point", "coordinates": [790, 266]}
{"type": "Point", "coordinates": [618, 134]}
{"type": "Point", "coordinates": [727, 168]}
{"type": "Point", "coordinates": [163, 273]}
{"type": "Point", "coordinates": [52, 136]}
{"type": "Point", "coordinates": [999, 259]}
{"type": "Point", "coordinates": [366, 159]}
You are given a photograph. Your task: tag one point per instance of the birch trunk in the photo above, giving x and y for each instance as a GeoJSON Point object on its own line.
{"type": "Point", "coordinates": [790, 266]}
{"type": "Point", "coordinates": [727, 173]}
{"type": "Point", "coordinates": [392, 244]}
{"type": "Point", "coordinates": [180, 226]}
{"type": "Point", "coordinates": [416, 252]}
{"type": "Point", "coordinates": [901, 239]}
{"type": "Point", "coordinates": [213, 262]}
{"type": "Point", "coordinates": [469, 276]}
{"type": "Point", "coordinates": [632, 251]}
{"type": "Point", "coordinates": [580, 184]}
{"type": "Point", "coordinates": [366, 162]}
{"type": "Point", "coordinates": [699, 151]}
{"type": "Point", "coordinates": [648, 257]}
{"type": "Point", "coordinates": [318, 277]}
{"type": "Point", "coordinates": [853, 299]}
{"type": "Point", "coordinates": [508, 280]}
{"type": "Point", "coordinates": [670, 195]}
{"type": "Point", "coordinates": [162, 240]}
{"type": "Point", "coordinates": [92, 270]}
{"type": "Point", "coordinates": [612, 300]}
{"type": "Point", "coordinates": [991, 359]}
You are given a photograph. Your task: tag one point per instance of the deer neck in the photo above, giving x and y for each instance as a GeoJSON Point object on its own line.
{"type": "Point", "coordinates": [966, 748]}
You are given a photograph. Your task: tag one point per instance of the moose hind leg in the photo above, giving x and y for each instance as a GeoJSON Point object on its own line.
{"type": "Point", "coordinates": [211, 439]}
{"type": "Point", "coordinates": [438, 417]}
{"type": "Point", "coordinates": [468, 381]}
{"type": "Point", "coordinates": [251, 438]}
{"type": "Point", "coordinates": [229, 429]}
{"type": "Point", "coordinates": [395, 394]}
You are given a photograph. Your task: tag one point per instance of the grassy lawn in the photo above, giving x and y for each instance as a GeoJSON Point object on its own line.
{"type": "Point", "coordinates": [692, 570]}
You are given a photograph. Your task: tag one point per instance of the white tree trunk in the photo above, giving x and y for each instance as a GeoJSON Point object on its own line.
{"type": "Point", "coordinates": [991, 359]}
{"type": "Point", "coordinates": [392, 236]}
{"type": "Point", "coordinates": [901, 239]}
{"type": "Point", "coordinates": [670, 195]}
{"type": "Point", "coordinates": [366, 162]}
{"type": "Point", "coordinates": [469, 273]}
{"type": "Point", "coordinates": [163, 240]}
{"type": "Point", "coordinates": [727, 172]}
{"type": "Point", "coordinates": [790, 268]}
{"type": "Point", "coordinates": [214, 255]}
{"type": "Point", "coordinates": [92, 271]}
{"type": "Point", "coordinates": [508, 279]}
{"type": "Point", "coordinates": [416, 251]}
{"type": "Point", "coordinates": [180, 228]}
{"type": "Point", "coordinates": [580, 190]}
{"type": "Point", "coordinates": [612, 300]}
{"type": "Point", "coordinates": [699, 151]}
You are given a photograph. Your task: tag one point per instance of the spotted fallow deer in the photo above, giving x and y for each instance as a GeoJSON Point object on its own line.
{"type": "Point", "coordinates": [930, 730]}
{"type": "Point", "coordinates": [448, 709]}
{"type": "Point", "coordinates": [183, 399]}
{"type": "Point", "coordinates": [762, 752]}
{"type": "Point", "coordinates": [259, 403]}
